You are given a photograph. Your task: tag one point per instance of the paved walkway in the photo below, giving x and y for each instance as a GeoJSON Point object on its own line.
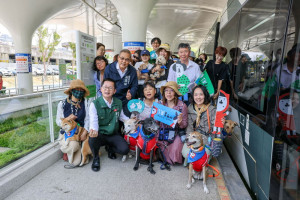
{"type": "Point", "coordinates": [115, 180]}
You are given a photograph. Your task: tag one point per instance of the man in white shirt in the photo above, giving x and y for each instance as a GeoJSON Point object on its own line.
{"type": "Point", "coordinates": [105, 113]}
{"type": "Point", "coordinates": [192, 71]}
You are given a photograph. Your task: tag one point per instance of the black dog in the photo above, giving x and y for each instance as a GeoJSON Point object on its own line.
{"type": "Point", "coordinates": [146, 145]}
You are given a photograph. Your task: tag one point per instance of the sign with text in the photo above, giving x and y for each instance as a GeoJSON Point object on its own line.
{"type": "Point", "coordinates": [23, 62]}
{"type": "Point", "coordinates": [164, 114]}
{"type": "Point", "coordinates": [133, 46]}
{"type": "Point", "coordinates": [136, 105]}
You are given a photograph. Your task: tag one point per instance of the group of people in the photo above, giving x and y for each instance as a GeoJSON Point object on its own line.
{"type": "Point", "coordinates": [119, 82]}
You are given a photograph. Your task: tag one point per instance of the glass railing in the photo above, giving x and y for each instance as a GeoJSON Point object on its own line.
{"type": "Point", "coordinates": [27, 122]}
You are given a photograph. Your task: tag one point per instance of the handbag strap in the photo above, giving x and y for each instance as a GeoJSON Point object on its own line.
{"type": "Point", "coordinates": [208, 120]}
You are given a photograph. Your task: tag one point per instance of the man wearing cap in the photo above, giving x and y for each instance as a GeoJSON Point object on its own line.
{"type": "Point", "coordinates": [125, 77]}
{"type": "Point", "coordinates": [192, 69]}
{"type": "Point", "coordinates": [142, 69]}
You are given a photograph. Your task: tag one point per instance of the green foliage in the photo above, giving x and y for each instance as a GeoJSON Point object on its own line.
{"type": "Point", "coordinates": [47, 43]}
{"type": "Point", "coordinates": [72, 45]}
{"type": "Point", "coordinates": [24, 134]}
{"type": "Point", "coordinates": [12, 123]}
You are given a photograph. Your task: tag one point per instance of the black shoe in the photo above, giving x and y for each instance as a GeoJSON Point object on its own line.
{"type": "Point", "coordinates": [96, 164]}
{"type": "Point", "coordinates": [112, 155]}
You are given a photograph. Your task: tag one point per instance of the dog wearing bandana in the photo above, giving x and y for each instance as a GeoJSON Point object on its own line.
{"type": "Point", "coordinates": [197, 159]}
{"type": "Point", "coordinates": [73, 133]}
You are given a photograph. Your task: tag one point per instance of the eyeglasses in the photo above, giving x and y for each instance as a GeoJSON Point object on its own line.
{"type": "Point", "coordinates": [136, 57]}
{"type": "Point", "coordinates": [126, 59]}
{"type": "Point", "coordinates": [169, 90]}
{"type": "Point", "coordinates": [108, 88]}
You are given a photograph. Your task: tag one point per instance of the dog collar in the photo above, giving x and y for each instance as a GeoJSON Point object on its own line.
{"type": "Point", "coordinates": [163, 67]}
{"type": "Point", "coordinates": [147, 137]}
{"type": "Point", "coordinates": [197, 149]}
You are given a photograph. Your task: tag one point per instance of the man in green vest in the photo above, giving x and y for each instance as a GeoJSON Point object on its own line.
{"type": "Point", "coordinates": [105, 113]}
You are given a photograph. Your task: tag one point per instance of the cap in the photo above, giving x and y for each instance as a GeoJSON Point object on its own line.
{"type": "Point", "coordinates": [192, 54]}
{"type": "Point", "coordinates": [145, 52]}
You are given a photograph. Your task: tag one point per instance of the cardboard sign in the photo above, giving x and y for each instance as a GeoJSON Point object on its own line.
{"type": "Point", "coordinates": [136, 105]}
{"type": "Point", "coordinates": [204, 79]}
{"type": "Point", "coordinates": [164, 114]}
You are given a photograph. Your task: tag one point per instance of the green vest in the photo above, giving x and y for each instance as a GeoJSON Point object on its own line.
{"type": "Point", "coordinates": [108, 118]}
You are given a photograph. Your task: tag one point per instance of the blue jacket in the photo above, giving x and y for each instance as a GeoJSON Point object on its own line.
{"type": "Point", "coordinates": [97, 83]}
{"type": "Point", "coordinates": [129, 81]}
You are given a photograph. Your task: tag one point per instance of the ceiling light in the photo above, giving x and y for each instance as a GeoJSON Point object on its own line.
{"type": "Point", "coordinates": [262, 22]}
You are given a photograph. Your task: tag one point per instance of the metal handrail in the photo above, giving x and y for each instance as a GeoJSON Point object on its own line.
{"type": "Point", "coordinates": [33, 94]}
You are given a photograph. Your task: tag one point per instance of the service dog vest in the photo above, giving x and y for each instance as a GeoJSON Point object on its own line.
{"type": "Point", "coordinates": [198, 159]}
{"type": "Point", "coordinates": [131, 140]}
{"type": "Point", "coordinates": [146, 144]}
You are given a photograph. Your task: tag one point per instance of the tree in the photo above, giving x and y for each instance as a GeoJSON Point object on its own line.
{"type": "Point", "coordinates": [72, 46]}
{"type": "Point", "coordinates": [47, 43]}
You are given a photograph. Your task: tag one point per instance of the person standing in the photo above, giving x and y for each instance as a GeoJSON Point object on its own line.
{"type": "Point", "coordinates": [105, 113]}
{"type": "Point", "coordinates": [216, 70]}
{"type": "Point", "coordinates": [100, 49]}
{"type": "Point", "coordinates": [192, 70]}
{"type": "Point", "coordinates": [125, 77]}
{"type": "Point", "coordinates": [155, 43]}
{"type": "Point", "coordinates": [100, 62]}
{"type": "Point", "coordinates": [142, 69]}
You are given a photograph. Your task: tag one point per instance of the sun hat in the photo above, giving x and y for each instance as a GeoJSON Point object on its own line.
{"type": "Point", "coordinates": [163, 46]}
{"type": "Point", "coordinates": [77, 84]}
{"type": "Point", "coordinates": [173, 85]}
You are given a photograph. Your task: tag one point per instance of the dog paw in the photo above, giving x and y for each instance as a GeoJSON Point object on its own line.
{"type": "Point", "coordinates": [135, 168]}
{"type": "Point", "coordinates": [151, 170]}
{"type": "Point", "coordinates": [206, 190]}
{"type": "Point", "coordinates": [193, 180]}
{"type": "Point", "coordinates": [130, 156]}
{"type": "Point", "coordinates": [124, 158]}
{"type": "Point", "coordinates": [188, 186]}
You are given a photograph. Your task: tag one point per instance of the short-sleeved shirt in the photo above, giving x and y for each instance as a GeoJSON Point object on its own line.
{"type": "Point", "coordinates": [216, 72]}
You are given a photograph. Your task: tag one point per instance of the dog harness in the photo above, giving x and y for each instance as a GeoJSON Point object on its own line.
{"type": "Point", "coordinates": [198, 159]}
{"type": "Point", "coordinates": [146, 144]}
{"type": "Point", "coordinates": [70, 134]}
{"type": "Point", "coordinates": [131, 139]}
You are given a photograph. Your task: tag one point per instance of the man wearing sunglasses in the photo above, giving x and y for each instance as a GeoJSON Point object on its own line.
{"type": "Point", "coordinates": [125, 78]}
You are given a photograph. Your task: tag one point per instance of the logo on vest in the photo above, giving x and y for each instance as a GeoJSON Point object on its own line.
{"type": "Point", "coordinates": [192, 155]}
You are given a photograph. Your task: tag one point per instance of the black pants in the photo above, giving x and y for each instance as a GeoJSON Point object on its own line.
{"type": "Point", "coordinates": [115, 143]}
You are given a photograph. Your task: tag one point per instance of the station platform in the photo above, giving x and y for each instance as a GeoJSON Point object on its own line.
{"type": "Point", "coordinates": [118, 180]}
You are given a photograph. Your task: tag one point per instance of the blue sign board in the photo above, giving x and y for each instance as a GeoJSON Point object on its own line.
{"type": "Point", "coordinates": [164, 114]}
{"type": "Point", "coordinates": [136, 105]}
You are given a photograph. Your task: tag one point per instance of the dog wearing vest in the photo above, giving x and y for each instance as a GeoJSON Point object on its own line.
{"type": "Point", "coordinates": [73, 133]}
{"type": "Point", "coordinates": [197, 159]}
{"type": "Point", "coordinates": [130, 135]}
{"type": "Point", "coordinates": [146, 145]}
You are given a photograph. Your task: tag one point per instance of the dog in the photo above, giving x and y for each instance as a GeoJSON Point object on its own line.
{"type": "Point", "coordinates": [157, 71]}
{"type": "Point", "coordinates": [73, 133]}
{"type": "Point", "coordinates": [197, 159]}
{"type": "Point", "coordinates": [130, 135]}
{"type": "Point", "coordinates": [143, 71]}
{"type": "Point", "coordinates": [146, 145]}
{"type": "Point", "coordinates": [229, 126]}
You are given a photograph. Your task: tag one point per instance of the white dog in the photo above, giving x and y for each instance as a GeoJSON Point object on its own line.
{"type": "Point", "coordinates": [130, 130]}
